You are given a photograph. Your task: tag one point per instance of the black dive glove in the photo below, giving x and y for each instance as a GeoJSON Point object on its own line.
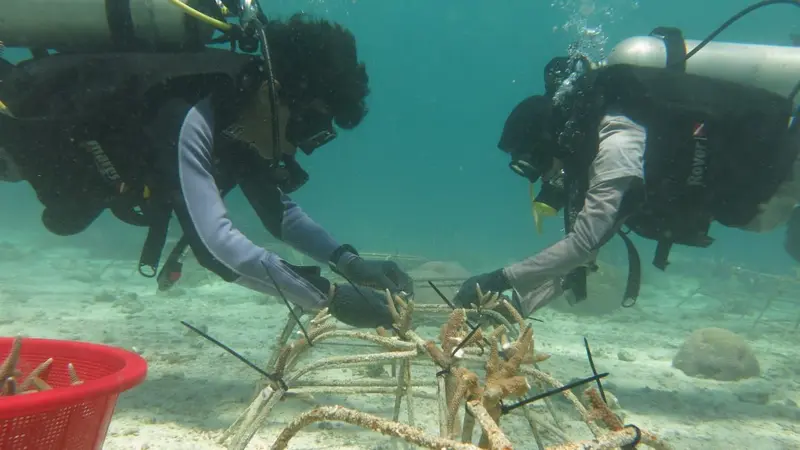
{"type": "Point", "coordinates": [792, 242]}
{"type": "Point", "coordinates": [360, 306]}
{"type": "Point", "coordinates": [467, 295]}
{"type": "Point", "coordinates": [312, 274]}
{"type": "Point", "coordinates": [378, 275]}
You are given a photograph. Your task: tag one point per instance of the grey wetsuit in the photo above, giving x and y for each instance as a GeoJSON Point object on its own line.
{"type": "Point", "coordinates": [192, 156]}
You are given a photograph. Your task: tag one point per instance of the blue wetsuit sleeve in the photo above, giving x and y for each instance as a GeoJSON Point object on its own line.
{"type": "Point", "coordinates": [197, 203]}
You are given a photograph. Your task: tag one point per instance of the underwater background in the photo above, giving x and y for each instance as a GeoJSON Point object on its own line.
{"type": "Point", "coordinates": [422, 176]}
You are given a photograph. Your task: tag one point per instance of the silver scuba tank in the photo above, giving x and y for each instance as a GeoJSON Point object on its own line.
{"type": "Point", "coordinates": [771, 67]}
{"type": "Point", "coordinates": [102, 25]}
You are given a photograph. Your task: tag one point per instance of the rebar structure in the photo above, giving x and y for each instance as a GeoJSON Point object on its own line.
{"type": "Point", "coordinates": [509, 363]}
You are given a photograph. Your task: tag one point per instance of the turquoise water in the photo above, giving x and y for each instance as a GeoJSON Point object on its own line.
{"type": "Point", "coordinates": [422, 176]}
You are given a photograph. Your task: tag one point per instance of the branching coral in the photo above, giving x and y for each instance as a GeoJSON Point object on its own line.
{"type": "Point", "coordinates": [509, 368]}
{"type": "Point", "coordinates": [35, 381]}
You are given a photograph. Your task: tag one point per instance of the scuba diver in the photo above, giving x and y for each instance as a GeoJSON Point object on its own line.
{"type": "Point", "coordinates": [656, 140]}
{"type": "Point", "coordinates": [136, 114]}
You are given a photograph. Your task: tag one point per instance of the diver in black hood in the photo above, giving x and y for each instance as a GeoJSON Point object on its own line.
{"type": "Point", "coordinates": [650, 143]}
{"type": "Point", "coordinates": [150, 123]}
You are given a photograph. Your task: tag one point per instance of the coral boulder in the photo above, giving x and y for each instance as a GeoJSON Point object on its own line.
{"type": "Point", "coordinates": [716, 354]}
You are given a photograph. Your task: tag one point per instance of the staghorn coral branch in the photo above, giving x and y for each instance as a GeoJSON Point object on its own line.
{"type": "Point", "coordinates": [452, 329]}
{"type": "Point", "coordinates": [600, 410]}
{"type": "Point", "coordinates": [73, 375]}
{"type": "Point", "coordinates": [497, 439]}
{"type": "Point", "coordinates": [7, 368]}
{"type": "Point", "coordinates": [364, 420]}
{"type": "Point", "coordinates": [466, 388]}
{"type": "Point", "coordinates": [514, 313]}
{"type": "Point", "coordinates": [456, 385]}
{"type": "Point", "coordinates": [36, 373]}
{"type": "Point", "coordinates": [402, 312]}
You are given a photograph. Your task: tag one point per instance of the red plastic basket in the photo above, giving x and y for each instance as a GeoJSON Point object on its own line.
{"type": "Point", "coordinates": [67, 417]}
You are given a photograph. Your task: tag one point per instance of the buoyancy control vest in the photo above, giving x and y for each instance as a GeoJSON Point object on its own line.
{"type": "Point", "coordinates": [74, 125]}
{"type": "Point", "coordinates": [715, 150]}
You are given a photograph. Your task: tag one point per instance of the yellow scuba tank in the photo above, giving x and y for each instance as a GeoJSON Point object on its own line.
{"type": "Point", "coordinates": [101, 25]}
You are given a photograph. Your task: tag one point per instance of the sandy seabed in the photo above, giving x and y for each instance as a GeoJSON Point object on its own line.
{"type": "Point", "coordinates": [194, 390]}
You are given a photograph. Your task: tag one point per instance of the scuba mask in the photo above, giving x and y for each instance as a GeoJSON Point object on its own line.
{"type": "Point", "coordinates": [309, 128]}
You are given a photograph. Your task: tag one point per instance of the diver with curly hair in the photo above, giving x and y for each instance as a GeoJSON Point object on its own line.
{"type": "Point", "coordinates": [149, 132]}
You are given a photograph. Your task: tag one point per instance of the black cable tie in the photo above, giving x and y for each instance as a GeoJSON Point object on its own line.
{"type": "Point", "coordinates": [286, 302]}
{"type": "Point", "coordinates": [507, 409]}
{"type": "Point", "coordinates": [442, 372]}
{"type": "Point", "coordinates": [637, 438]}
{"type": "Point", "coordinates": [238, 356]}
{"type": "Point", "coordinates": [594, 370]}
{"type": "Point", "coordinates": [449, 303]}
{"type": "Point", "coordinates": [464, 341]}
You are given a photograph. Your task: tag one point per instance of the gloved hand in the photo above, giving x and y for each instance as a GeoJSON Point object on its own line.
{"type": "Point", "coordinates": [312, 274]}
{"type": "Point", "coordinates": [379, 275]}
{"type": "Point", "coordinates": [467, 295]}
{"type": "Point", "coordinates": [360, 306]}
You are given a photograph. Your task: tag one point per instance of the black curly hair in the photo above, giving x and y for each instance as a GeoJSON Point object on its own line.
{"type": "Point", "coordinates": [316, 59]}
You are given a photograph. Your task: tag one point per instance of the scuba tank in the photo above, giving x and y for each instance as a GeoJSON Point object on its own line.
{"type": "Point", "coordinates": [136, 28]}
{"type": "Point", "coordinates": [774, 68]}
{"type": "Point", "coordinates": [771, 67]}
{"type": "Point", "coordinates": [100, 25]}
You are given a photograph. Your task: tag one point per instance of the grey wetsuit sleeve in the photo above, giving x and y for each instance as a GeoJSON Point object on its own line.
{"type": "Point", "coordinates": [279, 214]}
{"type": "Point", "coordinates": [619, 161]}
{"type": "Point", "coordinates": [594, 224]}
{"type": "Point", "coordinates": [304, 234]}
{"type": "Point", "coordinates": [217, 244]}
